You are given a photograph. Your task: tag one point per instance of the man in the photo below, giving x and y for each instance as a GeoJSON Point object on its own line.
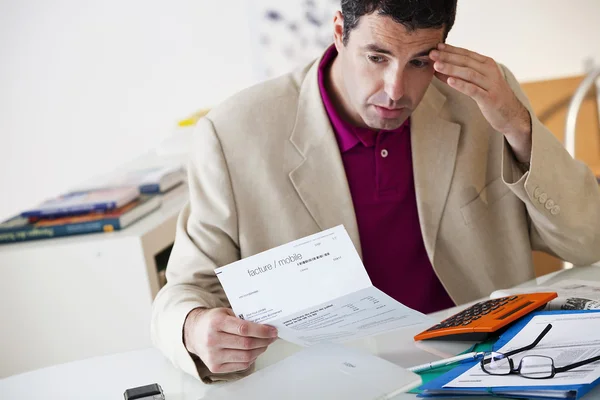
{"type": "Point", "coordinates": [427, 153]}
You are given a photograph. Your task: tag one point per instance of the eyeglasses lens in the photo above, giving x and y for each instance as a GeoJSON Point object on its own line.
{"type": "Point", "coordinates": [496, 364]}
{"type": "Point", "coordinates": [536, 367]}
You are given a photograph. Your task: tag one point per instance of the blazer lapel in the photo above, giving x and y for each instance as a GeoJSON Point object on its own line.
{"type": "Point", "coordinates": [320, 178]}
{"type": "Point", "coordinates": [434, 143]}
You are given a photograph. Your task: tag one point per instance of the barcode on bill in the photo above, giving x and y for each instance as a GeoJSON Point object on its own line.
{"type": "Point", "coordinates": [313, 259]}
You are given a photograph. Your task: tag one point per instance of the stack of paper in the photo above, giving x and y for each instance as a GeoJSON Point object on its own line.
{"type": "Point", "coordinates": [573, 337]}
{"type": "Point", "coordinates": [572, 294]}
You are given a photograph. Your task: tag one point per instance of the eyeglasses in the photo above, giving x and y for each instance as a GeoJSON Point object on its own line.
{"type": "Point", "coordinates": [532, 367]}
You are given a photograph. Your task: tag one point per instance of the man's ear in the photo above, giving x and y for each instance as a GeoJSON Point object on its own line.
{"type": "Point", "coordinates": [338, 30]}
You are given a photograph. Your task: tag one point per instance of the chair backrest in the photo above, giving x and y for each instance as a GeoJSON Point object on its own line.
{"type": "Point", "coordinates": [550, 100]}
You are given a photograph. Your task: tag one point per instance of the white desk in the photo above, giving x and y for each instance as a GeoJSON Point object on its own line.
{"type": "Point", "coordinates": [107, 377]}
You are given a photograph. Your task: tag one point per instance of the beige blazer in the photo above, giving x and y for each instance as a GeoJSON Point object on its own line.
{"type": "Point", "coordinates": [266, 170]}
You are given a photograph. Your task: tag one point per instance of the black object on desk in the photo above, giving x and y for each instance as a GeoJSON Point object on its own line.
{"type": "Point", "coordinates": [148, 392]}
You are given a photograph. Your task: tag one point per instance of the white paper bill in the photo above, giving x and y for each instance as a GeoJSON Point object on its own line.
{"type": "Point", "coordinates": [572, 294]}
{"type": "Point", "coordinates": [573, 338]}
{"type": "Point", "coordinates": [313, 290]}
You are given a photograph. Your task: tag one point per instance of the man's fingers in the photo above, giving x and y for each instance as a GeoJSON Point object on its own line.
{"type": "Point", "coordinates": [239, 327]}
{"type": "Point", "coordinates": [229, 367]}
{"type": "Point", "coordinates": [464, 52]}
{"type": "Point", "coordinates": [229, 341]}
{"type": "Point", "coordinates": [464, 73]}
{"type": "Point", "coordinates": [471, 90]}
{"type": "Point", "coordinates": [457, 60]}
{"type": "Point", "coordinates": [226, 343]}
{"type": "Point", "coordinates": [216, 360]}
{"type": "Point", "coordinates": [241, 356]}
{"type": "Point", "coordinates": [230, 312]}
{"type": "Point", "coordinates": [442, 77]}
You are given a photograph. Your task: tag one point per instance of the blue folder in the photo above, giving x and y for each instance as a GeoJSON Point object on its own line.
{"type": "Point", "coordinates": [437, 385]}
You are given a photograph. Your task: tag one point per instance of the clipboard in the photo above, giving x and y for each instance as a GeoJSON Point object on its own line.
{"type": "Point", "coordinates": [435, 388]}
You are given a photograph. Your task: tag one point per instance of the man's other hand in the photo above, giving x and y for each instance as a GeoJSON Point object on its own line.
{"type": "Point", "coordinates": [224, 342]}
{"type": "Point", "coordinates": [480, 78]}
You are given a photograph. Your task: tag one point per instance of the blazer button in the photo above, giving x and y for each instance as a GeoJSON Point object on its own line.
{"type": "Point", "coordinates": [549, 204]}
{"type": "Point", "coordinates": [537, 192]}
{"type": "Point", "coordinates": [555, 210]}
{"type": "Point", "coordinates": [543, 198]}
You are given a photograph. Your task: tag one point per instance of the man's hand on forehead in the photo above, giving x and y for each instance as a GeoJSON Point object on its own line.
{"type": "Point", "coordinates": [480, 78]}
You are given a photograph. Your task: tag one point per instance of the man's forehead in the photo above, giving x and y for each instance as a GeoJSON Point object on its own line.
{"type": "Point", "coordinates": [387, 34]}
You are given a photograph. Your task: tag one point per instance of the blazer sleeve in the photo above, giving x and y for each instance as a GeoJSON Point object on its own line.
{"type": "Point", "coordinates": [561, 194]}
{"type": "Point", "coordinates": [206, 238]}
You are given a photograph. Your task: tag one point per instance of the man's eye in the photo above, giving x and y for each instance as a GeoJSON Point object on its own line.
{"type": "Point", "coordinates": [419, 63]}
{"type": "Point", "coordinates": [375, 59]}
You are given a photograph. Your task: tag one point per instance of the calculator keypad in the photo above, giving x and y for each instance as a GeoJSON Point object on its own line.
{"type": "Point", "coordinates": [486, 318]}
{"type": "Point", "coordinates": [473, 313]}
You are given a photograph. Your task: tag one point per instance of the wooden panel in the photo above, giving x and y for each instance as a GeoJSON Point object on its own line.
{"type": "Point", "coordinates": [545, 263]}
{"type": "Point", "coordinates": [550, 101]}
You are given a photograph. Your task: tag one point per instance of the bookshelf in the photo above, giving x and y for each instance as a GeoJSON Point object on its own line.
{"type": "Point", "coordinates": [72, 298]}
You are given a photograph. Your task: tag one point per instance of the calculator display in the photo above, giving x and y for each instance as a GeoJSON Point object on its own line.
{"type": "Point", "coordinates": [514, 310]}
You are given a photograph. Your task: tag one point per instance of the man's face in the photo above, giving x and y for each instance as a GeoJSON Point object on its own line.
{"type": "Point", "coordinates": [385, 70]}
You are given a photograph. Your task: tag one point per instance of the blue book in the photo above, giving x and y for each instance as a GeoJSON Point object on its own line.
{"type": "Point", "coordinates": [82, 202]}
{"type": "Point", "coordinates": [435, 388]}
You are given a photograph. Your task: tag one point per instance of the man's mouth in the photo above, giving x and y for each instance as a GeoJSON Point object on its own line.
{"type": "Point", "coordinates": [386, 112]}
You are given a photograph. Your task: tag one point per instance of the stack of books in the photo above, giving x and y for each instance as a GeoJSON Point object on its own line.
{"type": "Point", "coordinates": [106, 206]}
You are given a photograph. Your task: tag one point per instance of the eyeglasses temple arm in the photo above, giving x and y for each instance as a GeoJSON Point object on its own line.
{"type": "Point", "coordinates": [577, 364]}
{"type": "Point", "coordinates": [532, 345]}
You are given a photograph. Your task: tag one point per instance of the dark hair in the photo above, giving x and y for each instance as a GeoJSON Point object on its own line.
{"type": "Point", "coordinates": [413, 14]}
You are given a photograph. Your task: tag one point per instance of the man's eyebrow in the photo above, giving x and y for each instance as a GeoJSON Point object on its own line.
{"type": "Point", "coordinates": [424, 53]}
{"type": "Point", "coordinates": [377, 49]}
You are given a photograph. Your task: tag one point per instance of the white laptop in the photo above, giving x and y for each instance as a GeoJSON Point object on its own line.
{"type": "Point", "coordinates": [324, 371]}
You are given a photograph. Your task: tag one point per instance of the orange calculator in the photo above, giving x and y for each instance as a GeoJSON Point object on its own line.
{"type": "Point", "coordinates": [479, 321]}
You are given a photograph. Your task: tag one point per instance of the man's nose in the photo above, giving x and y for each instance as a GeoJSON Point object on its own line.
{"type": "Point", "coordinates": [394, 87]}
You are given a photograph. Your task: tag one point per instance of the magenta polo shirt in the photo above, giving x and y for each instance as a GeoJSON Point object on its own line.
{"type": "Point", "coordinates": [379, 169]}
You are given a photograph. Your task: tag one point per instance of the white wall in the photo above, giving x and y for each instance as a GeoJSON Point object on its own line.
{"type": "Point", "coordinates": [85, 86]}
{"type": "Point", "coordinates": [536, 39]}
